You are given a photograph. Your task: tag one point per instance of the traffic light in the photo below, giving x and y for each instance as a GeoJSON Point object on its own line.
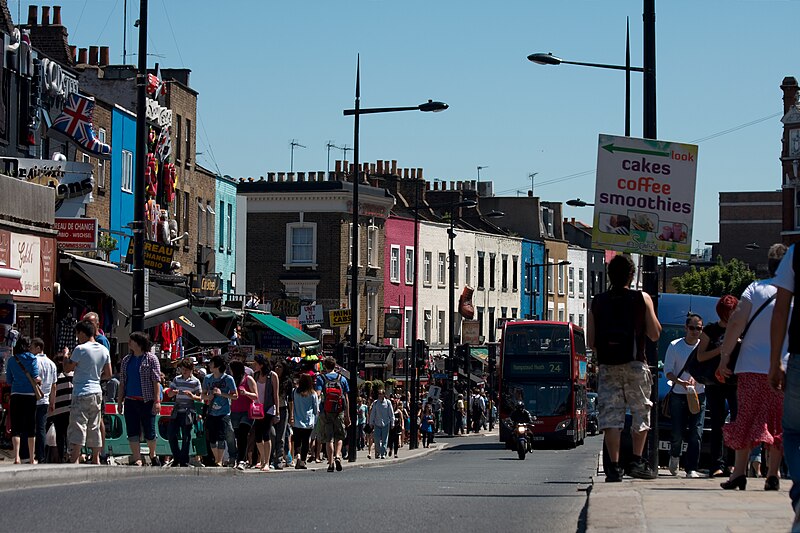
{"type": "Point", "coordinates": [422, 353]}
{"type": "Point", "coordinates": [492, 364]}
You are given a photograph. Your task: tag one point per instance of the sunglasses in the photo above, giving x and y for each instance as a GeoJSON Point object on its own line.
{"type": "Point", "coordinates": [694, 328]}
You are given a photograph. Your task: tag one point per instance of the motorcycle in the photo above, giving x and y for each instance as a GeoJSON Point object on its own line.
{"type": "Point", "coordinates": [523, 438]}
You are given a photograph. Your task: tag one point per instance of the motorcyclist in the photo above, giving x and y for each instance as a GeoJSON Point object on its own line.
{"type": "Point", "coordinates": [520, 415]}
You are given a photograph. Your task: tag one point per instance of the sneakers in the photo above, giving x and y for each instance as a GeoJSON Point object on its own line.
{"type": "Point", "coordinates": [277, 466]}
{"type": "Point", "coordinates": [330, 468]}
{"type": "Point", "coordinates": [300, 465]}
{"type": "Point", "coordinates": [673, 465]}
{"type": "Point", "coordinates": [692, 474]}
{"type": "Point", "coordinates": [241, 465]}
{"type": "Point", "coordinates": [641, 470]}
{"type": "Point", "coordinates": [155, 461]}
{"type": "Point", "coordinates": [338, 461]}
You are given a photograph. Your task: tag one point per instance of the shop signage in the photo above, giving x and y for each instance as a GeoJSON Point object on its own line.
{"type": "Point", "coordinates": [285, 306]}
{"type": "Point", "coordinates": [311, 314]}
{"type": "Point", "coordinates": [55, 81]}
{"type": "Point", "coordinates": [157, 256]}
{"type": "Point", "coordinates": [158, 113]}
{"type": "Point", "coordinates": [207, 285]}
{"type": "Point", "coordinates": [339, 317]}
{"type": "Point", "coordinates": [248, 351]}
{"type": "Point", "coordinates": [501, 322]}
{"type": "Point", "coordinates": [368, 210]}
{"type": "Point", "coordinates": [73, 181]}
{"type": "Point", "coordinates": [644, 196]}
{"type": "Point", "coordinates": [77, 233]}
{"type": "Point", "coordinates": [392, 323]}
{"type": "Point", "coordinates": [26, 257]}
{"type": "Point", "coordinates": [470, 332]}
{"type": "Point", "coordinates": [375, 355]}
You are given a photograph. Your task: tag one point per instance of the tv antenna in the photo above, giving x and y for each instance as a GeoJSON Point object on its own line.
{"type": "Point", "coordinates": [294, 143]}
{"type": "Point", "coordinates": [330, 145]}
{"type": "Point", "coordinates": [531, 176]}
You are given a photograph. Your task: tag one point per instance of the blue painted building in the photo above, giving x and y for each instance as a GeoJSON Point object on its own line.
{"type": "Point", "coordinates": [532, 274]}
{"type": "Point", "coordinates": [123, 168]}
{"type": "Point", "coordinates": [225, 233]}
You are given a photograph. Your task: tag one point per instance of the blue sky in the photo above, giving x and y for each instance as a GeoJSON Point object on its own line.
{"type": "Point", "coordinates": [270, 71]}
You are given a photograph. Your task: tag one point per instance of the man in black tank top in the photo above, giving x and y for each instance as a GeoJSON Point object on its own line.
{"type": "Point", "coordinates": [620, 322]}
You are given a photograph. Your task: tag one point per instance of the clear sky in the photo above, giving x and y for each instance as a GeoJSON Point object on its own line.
{"type": "Point", "coordinates": [271, 71]}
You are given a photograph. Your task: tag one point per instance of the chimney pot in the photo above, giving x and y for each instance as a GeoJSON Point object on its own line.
{"type": "Point", "coordinates": [104, 56]}
{"type": "Point", "coordinates": [419, 174]}
{"type": "Point", "coordinates": [270, 176]}
{"type": "Point", "coordinates": [93, 52]}
{"type": "Point", "coordinates": [83, 56]}
{"type": "Point", "coordinates": [45, 15]}
{"type": "Point", "coordinates": [394, 166]}
{"type": "Point", "coordinates": [530, 194]}
{"type": "Point", "coordinates": [33, 15]}
{"type": "Point", "coordinates": [452, 185]}
{"type": "Point", "coordinates": [73, 52]}
{"type": "Point", "coordinates": [301, 176]}
{"type": "Point", "coordinates": [281, 176]}
{"type": "Point", "coordinates": [338, 166]}
{"type": "Point", "coordinates": [413, 173]}
{"type": "Point", "coordinates": [56, 15]}
{"type": "Point", "coordinates": [406, 173]}
{"type": "Point", "coordinates": [435, 185]}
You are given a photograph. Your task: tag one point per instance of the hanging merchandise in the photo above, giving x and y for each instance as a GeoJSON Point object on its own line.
{"type": "Point", "coordinates": [170, 182]}
{"type": "Point", "coordinates": [155, 87]}
{"type": "Point", "coordinates": [75, 121]}
{"type": "Point", "coordinates": [151, 176]}
{"type": "Point", "coordinates": [162, 235]}
{"type": "Point", "coordinates": [164, 144]}
{"type": "Point", "coordinates": [152, 211]}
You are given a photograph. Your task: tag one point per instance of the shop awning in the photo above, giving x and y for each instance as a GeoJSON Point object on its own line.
{"type": "Point", "coordinates": [10, 279]}
{"type": "Point", "coordinates": [480, 353]}
{"type": "Point", "coordinates": [213, 313]}
{"type": "Point", "coordinates": [285, 330]}
{"type": "Point", "coordinates": [164, 305]}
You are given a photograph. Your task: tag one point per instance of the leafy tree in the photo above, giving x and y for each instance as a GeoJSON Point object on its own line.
{"type": "Point", "coordinates": [726, 277]}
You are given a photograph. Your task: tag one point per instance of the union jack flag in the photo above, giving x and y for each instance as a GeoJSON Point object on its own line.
{"type": "Point", "coordinates": [75, 121]}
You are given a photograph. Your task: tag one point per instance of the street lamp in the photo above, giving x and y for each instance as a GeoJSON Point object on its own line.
{"type": "Point", "coordinates": [429, 106]}
{"type": "Point", "coordinates": [550, 59]}
{"type": "Point", "coordinates": [577, 202]}
{"type": "Point", "coordinates": [752, 246]}
{"type": "Point", "coordinates": [534, 292]}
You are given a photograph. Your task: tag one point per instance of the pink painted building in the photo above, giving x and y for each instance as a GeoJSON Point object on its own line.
{"type": "Point", "coordinates": [398, 279]}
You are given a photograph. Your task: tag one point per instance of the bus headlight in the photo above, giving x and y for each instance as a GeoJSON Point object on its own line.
{"type": "Point", "coordinates": [564, 424]}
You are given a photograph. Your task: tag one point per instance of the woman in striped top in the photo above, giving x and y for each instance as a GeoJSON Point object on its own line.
{"type": "Point", "coordinates": [60, 401]}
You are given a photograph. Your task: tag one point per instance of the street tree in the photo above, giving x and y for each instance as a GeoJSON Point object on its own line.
{"type": "Point", "coordinates": [726, 277]}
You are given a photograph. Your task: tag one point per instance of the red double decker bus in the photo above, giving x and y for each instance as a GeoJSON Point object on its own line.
{"type": "Point", "coordinates": [543, 364]}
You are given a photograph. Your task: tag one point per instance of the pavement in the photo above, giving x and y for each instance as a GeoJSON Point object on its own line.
{"type": "Point", "coordinates": [16, 476]}
{"type": "Point", "coordinates": [676, 504]}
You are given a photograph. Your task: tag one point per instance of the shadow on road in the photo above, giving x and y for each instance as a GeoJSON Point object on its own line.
{"type": "Point", "coordinates": [527, 496]}
{"type": "Point", "coordinates": [474, 446]}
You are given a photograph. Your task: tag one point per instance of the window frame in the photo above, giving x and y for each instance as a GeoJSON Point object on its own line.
{"type": "Point", "coordinates": [230, 227]}
{"type": "Point", "coordinates": [127, 171]}
{"type": "Point", "coordinates": [101, 163]}
{"type": "Point", "coordinates": [515, 273]}
{"type": "Point", "coordinates": [504, 272]}
{"type": "Point", "coordinates": [492, 273]}
{"type": "Point", "coordinates": [394, 264]}
{"type": "Point", "coordinates": [571, 280]}
{"type": "Point", "coordinates": [410, 263]}
{"type": "Point", "coordinates": [291, 262]}
{"type": "Point", "coordinates": [441, 268]}
{"type": "Point", "coordinates": [581, 282]}
{"type": "Point", "coordinates": [481, 270]}
{"type": "Point", "coordinates": [561, 279]}
{"type": "Point", "coordinates": [372, 246]}
{"type": "Point", "coordinates": [427, 268]}
{"type": "Point", "coordinates": [468, 270]}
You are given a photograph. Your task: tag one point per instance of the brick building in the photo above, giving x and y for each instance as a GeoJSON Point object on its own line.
{"type": "Point", "coordinates": [293, 237]}
{"type": "Point", "coordinates": [790, 162]}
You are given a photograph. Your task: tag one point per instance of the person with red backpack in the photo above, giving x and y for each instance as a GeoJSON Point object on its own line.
{"type": "Point", "coordinates": [334, 417]}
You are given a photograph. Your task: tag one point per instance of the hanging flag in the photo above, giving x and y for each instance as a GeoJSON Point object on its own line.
{"type": "Point", "coordinates": [75, 121]}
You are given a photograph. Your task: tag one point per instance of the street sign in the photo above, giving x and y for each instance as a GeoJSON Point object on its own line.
{"type": "Point", "coordinates": [157, 255]}
{"type": "Point", "coordinates": [146, 289]}
{"type": "Point", "coordinates": [470, 332]}
{"type": "Point", "coordinates": [392, 324]}
{"type": "Point", "coordinates": [339, 317]}
{"type": "Point", "coordinates": [310, 314]}
{"type": "Point", "coordinates": [77, 233]}
{"type": "Point", "coordinates": [644, 196]}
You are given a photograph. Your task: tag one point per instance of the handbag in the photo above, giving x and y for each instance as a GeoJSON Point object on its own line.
{"type": "Point", "coordinates": [37, 389]}
{"type": "Point", "coordinates": [666, 409]}
{"type": "Point", "coordinates": [704, 372]}
{"type": "Point", "coordinates": [256, 411]}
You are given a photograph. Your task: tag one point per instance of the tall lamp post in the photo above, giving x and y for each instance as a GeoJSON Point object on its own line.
{"type": "Point", "coordinates": [429, 106]}
{"type": "Point", "coordinates": [533, 289]}
{"type": "Point", "coordinates": [649, 127]}
{"type": "Point", "coordinates": [138, 303]}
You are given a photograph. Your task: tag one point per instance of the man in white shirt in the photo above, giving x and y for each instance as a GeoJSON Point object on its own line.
{"type": "Point", "coordinates": [48, 374]}
{"type": "Point", "coordinates": [677, 354]}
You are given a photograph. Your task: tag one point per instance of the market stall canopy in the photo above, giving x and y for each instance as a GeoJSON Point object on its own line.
{"type": "Point", "coordinates": [10, 279]}
{"type": "Point", "coordinates": [481, 353]}
{"type": "Point", "coordinates": [284, 330]}
{"type": "Point", "coordinates": [213, 313]}
{"type": "Point", "coordinates": [164, 305]}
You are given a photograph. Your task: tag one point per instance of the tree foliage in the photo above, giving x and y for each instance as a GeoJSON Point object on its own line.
{"type": "Point", "coordinates": [726, 277]}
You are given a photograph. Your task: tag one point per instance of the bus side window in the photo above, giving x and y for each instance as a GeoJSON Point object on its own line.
{"type": "Point", "coordinates": [580, 342]}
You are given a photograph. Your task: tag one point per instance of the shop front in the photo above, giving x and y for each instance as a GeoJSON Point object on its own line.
{"type": "Point", "coordinates": [272, 336]}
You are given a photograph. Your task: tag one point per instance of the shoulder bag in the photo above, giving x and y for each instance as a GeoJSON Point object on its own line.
{"type": "Point", "coordinates": [37, 389]}
{"type": "Point", "coordinates": [704, 372]}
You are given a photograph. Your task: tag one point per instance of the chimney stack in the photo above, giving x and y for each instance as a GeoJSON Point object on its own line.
{"type": "Point", "coordinates": [33, 15]}
{"type": "Point", "coordinates": [56, 15]}
{"type": "Point", "coordinates": [45, 15]}
{"type": "Point", "coordinates": [104, 56]}
{"type": "Point", "coordinates": [83, 56]}
{"type": "Point", "coordinates": [530, 194]}
{"type": "Point", "coordinates": [93, 50]}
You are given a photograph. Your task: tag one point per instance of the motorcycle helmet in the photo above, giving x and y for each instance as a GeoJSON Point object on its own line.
{"type": "Point", "coordinates": [520, 405]}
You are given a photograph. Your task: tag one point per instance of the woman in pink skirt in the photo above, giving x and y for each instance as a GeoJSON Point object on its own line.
{"type": "Point", "coordinates": [760, 407]}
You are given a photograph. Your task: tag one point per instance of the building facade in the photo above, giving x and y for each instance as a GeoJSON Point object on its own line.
{"type": "Point", "coordinates": [577, 294]}
{"type": "Point", "coordinates": [226, 233]}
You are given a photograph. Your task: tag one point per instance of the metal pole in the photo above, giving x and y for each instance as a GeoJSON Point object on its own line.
{"type": "Point", "coordinates": [650, 263]}
{"type": "Point", "coordinates": [627, 77]}
{"type": "Point", "coordinates": [138, 299]}
{"type": "Point", "coordinates": [451, 305]}
{"type": "Point", "coordinates": [354, 321]}
{"type": "Point", "coordinates": [414, 391]}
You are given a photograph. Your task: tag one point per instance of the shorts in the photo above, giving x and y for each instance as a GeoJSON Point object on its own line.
{"type": "Point", "coordinates": [216, 427]}
{"type": "Point", "coordinates": [332, 427]}
{"type": "Point", "coordinates": [240, 419]}
{"type": "Point", "coordinates": [263, 430]}
{"type": "Point", "coordinates": [23, 415]}
{"type": "Point", "coordinates": [84, 420]}
{"type": "Point", "coordinates": [139, 415]}
{"type": "Point", "coordinates": [624, 386]}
